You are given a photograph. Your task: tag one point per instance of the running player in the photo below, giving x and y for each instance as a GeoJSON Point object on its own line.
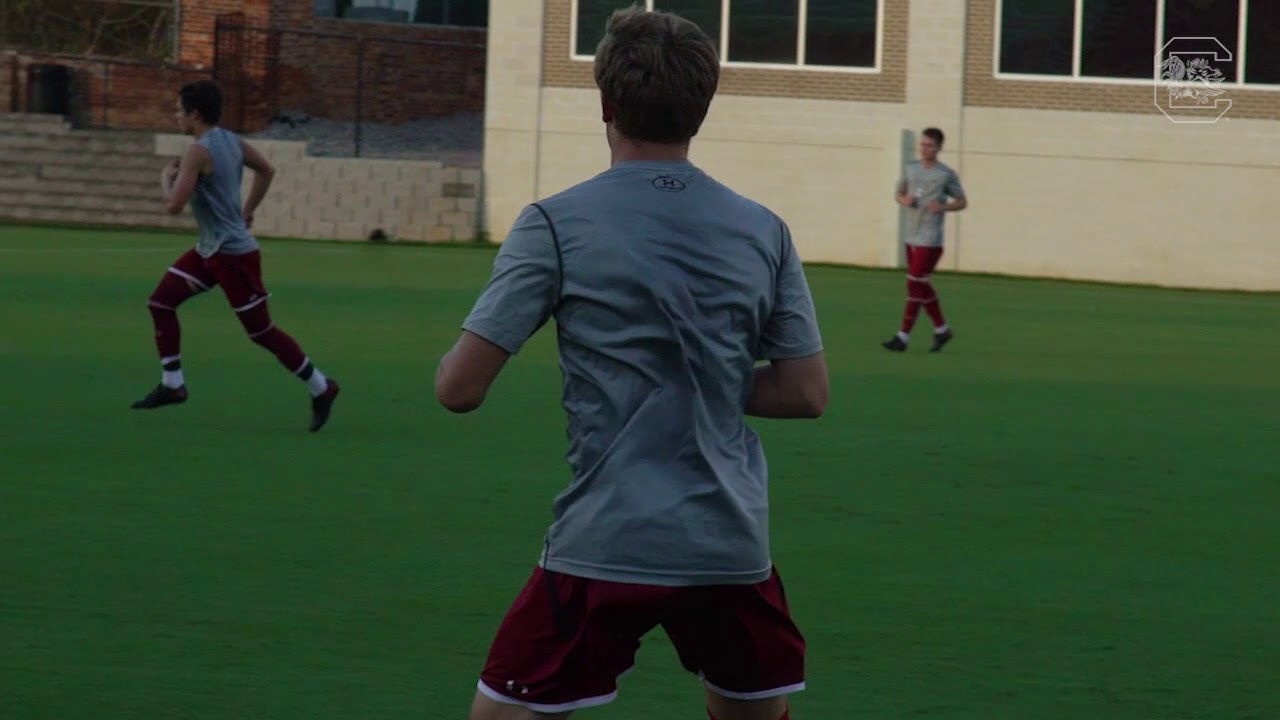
{"type": "Point", "coordinates": [667, 287]}
{"type": "Point", "coordinates": [209, 175]}
{"type": "Point", "coordinates": [929, 189]}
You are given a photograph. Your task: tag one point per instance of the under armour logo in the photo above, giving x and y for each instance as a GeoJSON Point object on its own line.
{"type": "Point", "coordinates": [511, 686]}
{"type": "Point", "coordinates": [666, 183]}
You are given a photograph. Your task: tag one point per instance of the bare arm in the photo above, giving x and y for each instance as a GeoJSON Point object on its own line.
{"type": "Point", "coordinates": [790, 389]}
{"type": "Point", "coordinates": [900, 194]}
{"type": "Point", "coordinates": [178, 183]}
{"type": "Point", "coordinates": [519, 298]}
{"type": "Point", "coordinates": [466, 372]}
{"type": "Point", "coordinates": [955, 191]}
{"type": "Point", "coordinates": [263, 174]}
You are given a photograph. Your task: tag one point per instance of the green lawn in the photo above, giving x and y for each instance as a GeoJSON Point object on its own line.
{"type": "Point", "coordinates": [1069, 514]}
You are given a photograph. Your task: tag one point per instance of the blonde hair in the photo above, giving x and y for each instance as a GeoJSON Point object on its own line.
{"type": "Point", "coordinates": [658, 72]}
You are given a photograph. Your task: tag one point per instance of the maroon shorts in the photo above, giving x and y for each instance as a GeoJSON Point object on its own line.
{"type": "Point", "coordinates": [922, 260]}
{"type": "Point", "coordinates": [239, 275]}
{"type": "Point", "coordinates": [566, 640]}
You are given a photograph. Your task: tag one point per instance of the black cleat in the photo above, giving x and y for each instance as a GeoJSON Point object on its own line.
{"type": "Point", "coordinates": [894, 344]}
{"type": "Point", "coordinates": [160, 396]}
{"type": "Point", "coordinates": [940, 340]}
{"type": "Point", "coordinates": [322, 404]}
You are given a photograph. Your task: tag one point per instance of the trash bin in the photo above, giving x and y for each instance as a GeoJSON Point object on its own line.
{"type": "Point", "coordinates": [49, 89]}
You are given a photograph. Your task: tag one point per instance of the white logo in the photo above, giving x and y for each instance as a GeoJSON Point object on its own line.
{"type": "Point", "coordinates": [1190, 83]}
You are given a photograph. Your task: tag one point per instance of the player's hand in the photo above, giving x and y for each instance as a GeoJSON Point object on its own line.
{"type": "Point", "coordinates": [936, 207]}
{"type": "Point", "coordinates": [170, 173]}
{"type": "Point", "coordinates": [905, 201]}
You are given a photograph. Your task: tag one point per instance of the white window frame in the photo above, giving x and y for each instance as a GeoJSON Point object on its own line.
{"type": "Point", "coordinates": [1242, 35]}
{"type": "Point", "coordinates": [803, 14]}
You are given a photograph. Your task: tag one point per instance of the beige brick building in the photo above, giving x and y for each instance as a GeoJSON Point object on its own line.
{"type": "Point", "coordinates": [1072, 169]}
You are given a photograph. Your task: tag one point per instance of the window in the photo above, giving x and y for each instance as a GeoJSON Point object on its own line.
{"type": "Point", "coordinates": [471, 13]}
{"type": "Point", "coordinates": [1119, 39]}
{"type": "Point", "coordinates": [830, 34]}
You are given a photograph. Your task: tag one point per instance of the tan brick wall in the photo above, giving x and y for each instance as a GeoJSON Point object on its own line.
{"type": "Point", "coordinates": [888, 85]}
{"type": "Point", "coordinates": [983, 89]}
{"type": "Point", "coordinates": [321, 198]}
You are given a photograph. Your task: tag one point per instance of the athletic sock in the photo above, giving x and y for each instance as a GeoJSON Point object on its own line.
{"type": "Point", "coordinates": [934, 308]}
{"type": "Point", "coordinates": [316, 382]}
{"type": "Point", "coordinates": [909, 314]}
{"type": "Point", "coordinates": [171, 377]}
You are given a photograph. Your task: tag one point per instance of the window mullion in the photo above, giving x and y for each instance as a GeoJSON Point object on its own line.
{"type": "Point", "coordinates": [802, 31]}
{"type": "Point", "coordinates": [724, 30]}
{"type": "Point", "coordinates": [1241, 39]}
{"type": "Point", "coordinates": [1077, 46]}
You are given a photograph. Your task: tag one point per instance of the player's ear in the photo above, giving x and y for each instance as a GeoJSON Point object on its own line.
{"type": "Point", "coordinates": [606, 112]}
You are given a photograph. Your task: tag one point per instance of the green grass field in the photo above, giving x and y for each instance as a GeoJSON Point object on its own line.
{"type": "Point", "coordinates": [1069, 514]}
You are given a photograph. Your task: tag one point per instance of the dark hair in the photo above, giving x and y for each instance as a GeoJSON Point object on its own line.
{"type": "Point", "coordinates": [205, 98]}
{"type": "Point", "coordinates": [935, 134]}
{"type": "Point", "coordinates": [659, 72]}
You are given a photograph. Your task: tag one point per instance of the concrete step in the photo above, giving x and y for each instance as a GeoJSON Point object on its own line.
{"type": "Point", "coordinates": [96, 218]}
{"type": "Point", "coordinates": [89, 160]}
{"type": "Point", "coordinates": [81, 202]}
{"type": "Point", "coordinates": [33, 123]}
{"type": "Point", "coordinates": [19, 170]}
{"type": "Point", "coordinates": [79, 142]}
{"type": "Point", "coordinates": [82, 186]}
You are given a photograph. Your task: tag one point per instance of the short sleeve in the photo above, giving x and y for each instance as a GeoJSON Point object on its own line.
{"type": "Point", "coordinates": [524, 286]}
{"type": "Point", "coordinates": [954, 189]}
{"type": "Point", "coordinates": [792, 328]}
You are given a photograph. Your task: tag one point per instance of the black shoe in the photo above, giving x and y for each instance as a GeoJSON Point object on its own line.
{"type": "Point", "coordinates": [322, 404]}
{"type": "Point", "coordinates": [894, 344]}
{"type": "Point", "coordinates": [160, 396]}
{"type": "Point", "coordinates": [940, 340]}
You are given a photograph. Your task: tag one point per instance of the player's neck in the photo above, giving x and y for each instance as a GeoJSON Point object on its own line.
{"type": "Point", "coordinates": [199, 130]}
{"type": "Point", "coordinates": [929, 163]}
{"type": "Point", "coordinates": [623, 150]}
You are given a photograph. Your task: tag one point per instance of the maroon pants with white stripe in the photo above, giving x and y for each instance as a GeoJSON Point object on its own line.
{"type": "Point", "coordinates": [240, 277]}
{"type": "Point", "coordinates": [920, 293]}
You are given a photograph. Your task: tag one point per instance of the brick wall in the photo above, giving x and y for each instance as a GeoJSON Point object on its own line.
{"type": "Point", "coordinates": [397, 78]}
{"type": "Point", "coordinates": [983, 89]}
{"type": "Point", "coordinates": [408, 70]}
{"type": "Point", "coordinates": [199, 18]}
{"type": "Point", "coordinates": [104, 92]}
{"type": "Point", "coordinates": [888, 85]}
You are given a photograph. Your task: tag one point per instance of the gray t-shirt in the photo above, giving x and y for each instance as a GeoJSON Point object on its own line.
{"type": "Point", "coordinates": [939, 183]}
{"type": "Point", "coordinates": [666, 287]}
{"type": "Point", "coordinates": [216, 202]}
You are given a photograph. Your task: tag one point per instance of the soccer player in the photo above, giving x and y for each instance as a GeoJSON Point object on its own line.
{"type": "Point", "coordinates": [667, 287]}
{"type": "Point", "coordinates": [209, 175]}
{"type": "Point", "coordinates": [928, 189]}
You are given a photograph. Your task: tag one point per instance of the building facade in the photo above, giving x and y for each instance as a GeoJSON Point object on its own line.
{"type": "Point", "coordinates": [1087, 150]}
{"type": "Point", "coordinates": [335, 59]}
